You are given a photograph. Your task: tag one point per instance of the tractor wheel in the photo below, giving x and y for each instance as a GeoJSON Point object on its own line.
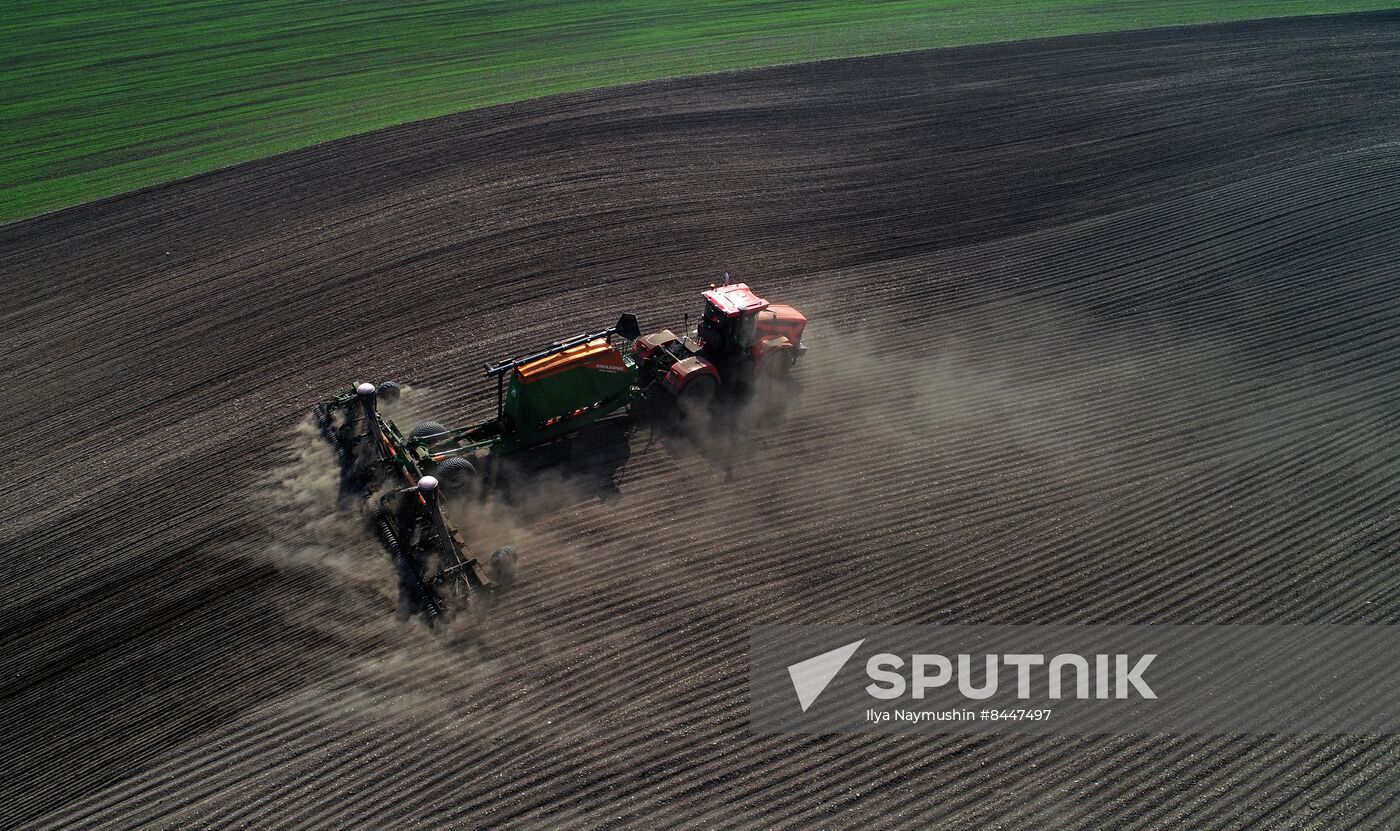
{"type": "Point", "coordinates": [427, 431]}
{"type": "Point", "coordinates": [388, 392]}
{"type": "Point", "coordinates": [503, 566]}
{"type": "Point", "coordinates": [776, 364]}
{"type": "Point", "coordinates": [455, 475]}
{"type": "Point", "coordinates": [699, 391]}
{"type": "Point", "coordinates": [695, 406]}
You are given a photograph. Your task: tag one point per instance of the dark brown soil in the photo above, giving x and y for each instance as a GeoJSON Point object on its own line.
{"type": "Point", "coordinates": [1104, 330]}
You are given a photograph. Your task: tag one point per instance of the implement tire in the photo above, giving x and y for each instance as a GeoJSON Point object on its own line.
{"type": "Point", "coordinates": [388, 392]}
{"type": "Point", "coordinates": [455, 476]}
{"type": "Point", "coordinates": [504, 566]}
{"type": "Point", "coordinates": [428, 431]}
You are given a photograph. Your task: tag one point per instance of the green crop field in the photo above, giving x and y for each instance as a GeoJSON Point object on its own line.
{"type": "Point", "coordinates": [101, 98]}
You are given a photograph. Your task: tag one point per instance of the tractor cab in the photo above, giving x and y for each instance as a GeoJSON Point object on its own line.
{"type": "Point", "coordinates": [739, 324]}
{"type": "Point", "coordinates": [738, 333]}
{"type": "Point", "coordinates": [729, 326]}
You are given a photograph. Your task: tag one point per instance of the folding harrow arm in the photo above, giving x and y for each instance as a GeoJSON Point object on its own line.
{"type": "Point", "coordinates": [408, 519]}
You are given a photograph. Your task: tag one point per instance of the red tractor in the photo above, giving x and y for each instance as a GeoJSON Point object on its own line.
{"type": "Point", "coordinates": [740, 336]}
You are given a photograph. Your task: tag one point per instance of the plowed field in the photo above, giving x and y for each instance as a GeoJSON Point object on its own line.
{"type": "Point", "coordinates": [1104, 330]}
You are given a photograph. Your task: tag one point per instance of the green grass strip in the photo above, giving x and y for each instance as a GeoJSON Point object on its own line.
{"type": "Point", "coordinates": [99, 98]}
